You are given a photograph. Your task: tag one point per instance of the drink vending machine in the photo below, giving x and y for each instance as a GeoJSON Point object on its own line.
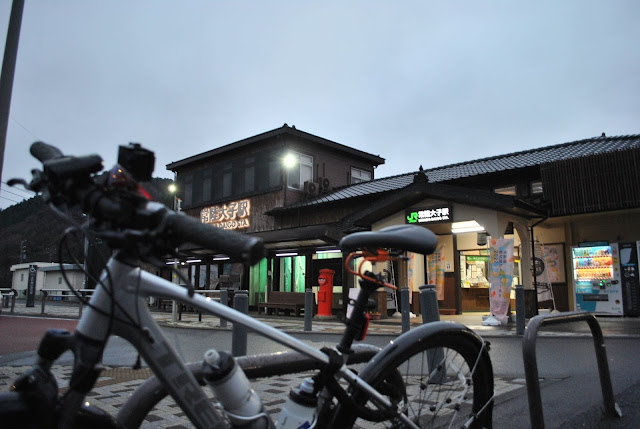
{"type": "Point", "coordinates": [630, 277]}
{"type": "Point", "coordinates": [596, 279]}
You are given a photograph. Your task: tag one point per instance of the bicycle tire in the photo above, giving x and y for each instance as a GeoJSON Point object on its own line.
{"type": "Point", "coordinates": [431, 397]}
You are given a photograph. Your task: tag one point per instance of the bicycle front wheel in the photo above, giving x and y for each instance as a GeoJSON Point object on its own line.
{"type": "Point", "coordinates": [441, 380]}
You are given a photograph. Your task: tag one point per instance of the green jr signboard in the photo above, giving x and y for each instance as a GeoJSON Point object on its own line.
{"type": "Point", "coordinates": [437, 214]}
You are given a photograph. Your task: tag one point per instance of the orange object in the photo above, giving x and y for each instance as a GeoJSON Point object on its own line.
{"type": "Point", "coordinates": [325, 292]}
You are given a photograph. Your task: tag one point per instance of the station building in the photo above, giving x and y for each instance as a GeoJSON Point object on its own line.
{"type": "Point", "coordinates": [302, 193]}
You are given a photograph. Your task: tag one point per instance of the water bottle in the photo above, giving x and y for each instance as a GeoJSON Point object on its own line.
{"type": "Point", "coordinates": [232, 389]}
{"type": "Point", "coordinates": [299, 411]}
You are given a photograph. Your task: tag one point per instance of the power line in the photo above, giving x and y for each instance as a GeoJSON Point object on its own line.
{"type": "Point", "coordinates": [4, 191]}
{"type": "Point", "coordinates": [24, 128]}
{"type": "Point", "coordinates": [19, 189]}
{"type": "Point", "coordinates": [10, 199]}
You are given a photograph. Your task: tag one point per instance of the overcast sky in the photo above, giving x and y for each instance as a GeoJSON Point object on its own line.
{"type": "Point", "coordinates": [417, 82]}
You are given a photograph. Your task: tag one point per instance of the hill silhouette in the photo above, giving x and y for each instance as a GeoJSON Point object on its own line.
{"type": "Point", "coordinates": [34, 221]}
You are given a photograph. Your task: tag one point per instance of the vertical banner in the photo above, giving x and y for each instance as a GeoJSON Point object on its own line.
{"type": "Point", "coordinates": [435, 263]}
{"type": "Point", "coordinates": [500, 276]}
{"type": "Point", "coordinates": [541, 271]}
{"type": "Point", "coordinates": [31, 286]}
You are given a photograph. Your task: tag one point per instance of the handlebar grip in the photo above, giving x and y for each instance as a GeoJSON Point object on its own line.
{"type": "Point", "coordinates": [235, 245]}
{"type": "Point", "coordinates": [44, 152]}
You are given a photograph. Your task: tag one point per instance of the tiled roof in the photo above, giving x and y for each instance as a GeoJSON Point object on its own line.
{"type": "Point", "coordinates": [510, 161]}
{"type": "Point", "coordinates": [533, 157]}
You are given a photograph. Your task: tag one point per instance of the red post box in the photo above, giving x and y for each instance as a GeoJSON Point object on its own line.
{"type": "Point", "coordinates": [325, 292]}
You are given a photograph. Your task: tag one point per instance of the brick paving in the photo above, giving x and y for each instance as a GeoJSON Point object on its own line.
{"type": "Point", "coordinates": [116, 385]}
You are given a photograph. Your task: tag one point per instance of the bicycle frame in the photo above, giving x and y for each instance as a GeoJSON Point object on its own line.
{"type": "Point", "coordinates": [130, 286]}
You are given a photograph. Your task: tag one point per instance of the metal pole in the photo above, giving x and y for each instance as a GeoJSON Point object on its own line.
{"type": "Point", "coordinates": [224, 299]}
{"type": "Point", "coordinates": [404, 298]}
{"type": "Point", "coordinates": [8, 71]}
{"type": "Point", "coordinates": [239, 332]}
{"type": "Point", "coordinates": [520, 316]}
{"type": "Point", "coordinates": [308, 309]}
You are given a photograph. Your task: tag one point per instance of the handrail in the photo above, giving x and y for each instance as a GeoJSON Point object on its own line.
{"type": "Point", "coordinates": [66, 293]}
{"type": "Point", "coordinates": [8, 292]}
{"type": "Point", "coordinates": [531, 366]}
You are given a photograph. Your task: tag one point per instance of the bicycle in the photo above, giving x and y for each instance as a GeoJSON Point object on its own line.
{"type": "Point", "coordinates": [438, 374]}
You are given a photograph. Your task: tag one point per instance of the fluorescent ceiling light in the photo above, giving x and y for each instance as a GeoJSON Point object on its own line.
{"type": "Point", "coordinates": [193, 261]}
{"type": "Point", "coordinates": [286, 254]}
{"type": "Point", "coordinates": [329, 251]}
{"type": "Point", "coordinates": [466, 226]}
{"type": "Point", "coordinates": [173, 263]}
{"type": "Point", "coordinates": [221, 258]}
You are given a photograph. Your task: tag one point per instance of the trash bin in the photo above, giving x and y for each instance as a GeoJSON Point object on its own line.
{"type": "Point", "coordinates": [325, 292]}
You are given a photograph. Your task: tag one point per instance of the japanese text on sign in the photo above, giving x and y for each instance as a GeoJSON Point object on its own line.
{"type": "Point", "coordinates": [233, 215]}
{"type": "Point", "coordinates": [439, 214]}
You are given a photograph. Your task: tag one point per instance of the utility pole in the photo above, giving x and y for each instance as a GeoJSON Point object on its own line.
{"type": "Point", "coordinates": [8, 70]}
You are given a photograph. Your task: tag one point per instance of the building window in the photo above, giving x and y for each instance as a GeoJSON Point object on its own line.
{"type": "Point", "coordinates": [227, 177]}
{"type": "Point", "coordinates": [274, 173]}
{"type": "Point", "coordinates": [249, 174]}
{"type": "Point", "coordinates": [21, 277]}
{"type": "Point", "coordinates": [206, 188]}
{"type": "Point", "coordinates": [358, 175]}
{"type": "Point", "coordinates": [60, 280]}
{"type": "Point", "coordinates": [536, 187]}
{"type": "Point", "coordinates": [300, 171]}
{"type": "Point", "coordinates": [506, 190]}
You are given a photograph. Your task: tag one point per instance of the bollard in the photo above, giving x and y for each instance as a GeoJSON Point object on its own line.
{"type": "Point", "coordinates": [174, 311]}
{"type": "Point", "coordinates": [239, 332]}
{"type": "Point", "coordinates": [308, 309]}
{"type": "Point", "coordinates": [429, 304]}
{"type": "Point", "coordinates": [13, 299]}
{"type": "Point", "coordinates": [44, 299]}
{"type": "Point", "coordinates": [430, 313]}
{"type": "Point", "coordinates": [224, 299]}
{"type": "Point", "coordinates": [404, 299]}
{"type": "Point", "coordinates": [520, 310]}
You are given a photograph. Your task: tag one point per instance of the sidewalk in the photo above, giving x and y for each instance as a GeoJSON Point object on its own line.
{"type": "Point", "coordinates": [612, 326]}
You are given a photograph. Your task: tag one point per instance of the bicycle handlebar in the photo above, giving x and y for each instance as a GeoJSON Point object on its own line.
{"type": "Point", "coordinates": [232, 244]}
{"type": "Point", "coordinates": [68, 180]}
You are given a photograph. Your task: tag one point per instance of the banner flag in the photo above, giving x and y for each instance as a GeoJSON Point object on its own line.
{"type": "Point", "coordinates": [500, 276]}
{"type": "Point", "coordinates": [436, 270]}
{"type": "Point", "coordinates": [541, 271]}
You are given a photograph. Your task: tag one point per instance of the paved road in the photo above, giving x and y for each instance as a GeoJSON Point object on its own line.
{"type": "Point", "coordinates": [570, 387]}
{"type": "Point", "coordinates": [21, 334]}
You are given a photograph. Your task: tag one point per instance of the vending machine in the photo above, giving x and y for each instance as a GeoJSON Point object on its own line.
{"type": "Point", "coordinates": [596, 279]}
{"type": "Point", "coordinates": [630, 277]}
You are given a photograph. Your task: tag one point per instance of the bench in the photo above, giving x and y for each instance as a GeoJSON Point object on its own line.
{"type": "Point", "coordinates": [286, 301]}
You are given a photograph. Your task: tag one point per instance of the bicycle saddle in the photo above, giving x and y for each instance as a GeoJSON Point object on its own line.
{"type": "Point", "coordinates": [411, 238]}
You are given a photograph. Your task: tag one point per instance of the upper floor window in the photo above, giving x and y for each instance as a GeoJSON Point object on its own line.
{"type": "Point", "coordinates": [358, 175]}
{"type": "Point", "coordinates": [506, 190]}
{"type": "Point", "coordinates": [299, 169]}
{"type": "Point", "coordinates": [536, 187]}
{"type": "Point", "coordinates": [249, 174]}
{"type": "Point", "coordinates": [227, 181]}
